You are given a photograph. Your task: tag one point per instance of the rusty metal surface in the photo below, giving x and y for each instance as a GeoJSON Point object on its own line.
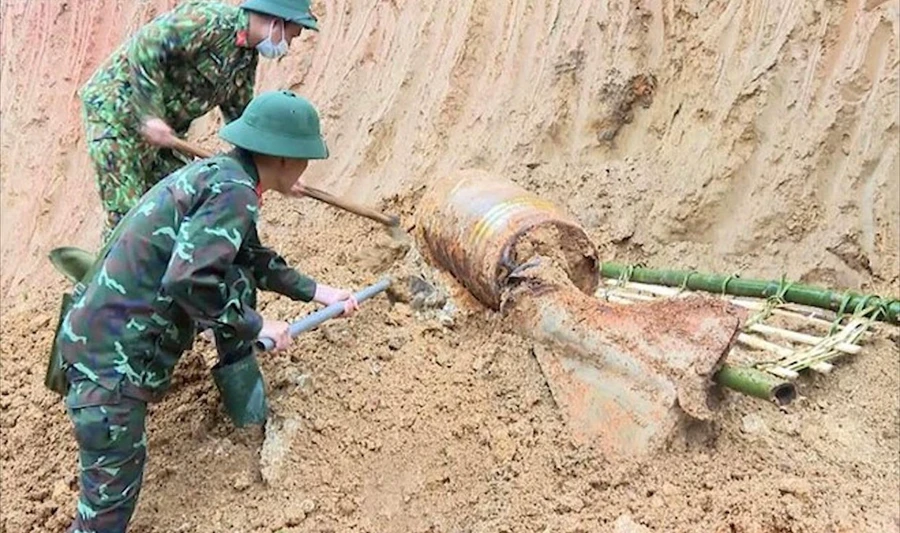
{"type": "Point", "coordinates": [467, 222]}
{"type": "Point", "coordinates": [624, 376]}
{"type": "Point", "coordinates": [608, 410]}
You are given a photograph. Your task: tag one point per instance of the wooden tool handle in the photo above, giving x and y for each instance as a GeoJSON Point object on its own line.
{"type": "Point", "coordinates": [191, 149]}
{"type": "Point", "coordinates": [322, 196]}
{"type": "Point", "coordinates": [317, 194]}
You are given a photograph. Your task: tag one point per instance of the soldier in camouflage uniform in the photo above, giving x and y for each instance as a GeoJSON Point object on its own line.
{"type": "Point", "coordinates": [186, 256]}
{"type": "Point", "coordinates": [175, 69]}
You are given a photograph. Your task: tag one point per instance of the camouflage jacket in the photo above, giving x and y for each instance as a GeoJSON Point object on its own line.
{"type": "Point", "coordinates": [164, 275]}
{"type": "Point", "coordinates": [177, 67]}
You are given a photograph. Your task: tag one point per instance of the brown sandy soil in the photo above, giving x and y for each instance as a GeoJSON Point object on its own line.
{"type": "Point", "coordinates": [759, 137]}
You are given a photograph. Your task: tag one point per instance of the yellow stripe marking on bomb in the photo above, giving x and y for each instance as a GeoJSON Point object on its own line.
{"type": "Point", "coordinates": [499, 216]}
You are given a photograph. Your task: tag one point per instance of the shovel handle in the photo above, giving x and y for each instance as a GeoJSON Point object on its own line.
{"type": "Point", "coordinates": [264, 344]}
{"type": "Point", "coordinates": [356, 209]}
{"type": "Point", "coordinates": [317, 194]}
{"type": "Point", "coordinates": [191, 149]}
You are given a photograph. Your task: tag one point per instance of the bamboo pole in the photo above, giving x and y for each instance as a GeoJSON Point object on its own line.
{"type": "Point", "coordinates": [756, 306]}
{"type": "Point", "coordinates": [802, 338]}
{"type": "Point", "coordinates": [748, 304]}
{"type": "Point", "coordinates": [889, 309]}
{"type": "Point", "coordinates": [756, 383]}
{"type": "Point", "coordinates": [764, 345]}
{"type": "Point", "coordinates": [820, 353]}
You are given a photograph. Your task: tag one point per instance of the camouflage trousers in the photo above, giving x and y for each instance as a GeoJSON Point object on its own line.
{"type": "Point", "coordinates": [112, 444]}
{"type": "Point", "coordinates": [125, 165]}
{"type": "Point", "coordinates": [111, 435]}
{"type": "Point", "coordinates": [231, 349]}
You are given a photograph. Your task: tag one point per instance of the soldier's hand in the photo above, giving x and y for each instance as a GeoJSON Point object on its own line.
{"type": "Point", "coordinates": [278, 331]}
{"type": "Point", "coordinates": [327, 295]}
{"type": "Point", "coordinates": [157, 132]}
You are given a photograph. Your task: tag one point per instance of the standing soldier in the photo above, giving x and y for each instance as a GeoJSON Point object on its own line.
{"type": "Point", "coordinates": [175, 69]}
{"type": "Point", "coordinates": [187, 255]}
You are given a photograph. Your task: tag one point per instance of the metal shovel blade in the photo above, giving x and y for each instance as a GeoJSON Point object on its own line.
{"type": "Point", "coordinates": [72, 262]}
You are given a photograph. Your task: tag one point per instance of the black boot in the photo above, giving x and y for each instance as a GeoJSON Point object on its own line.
{"type": "Point", "coordinates": [243, 391]}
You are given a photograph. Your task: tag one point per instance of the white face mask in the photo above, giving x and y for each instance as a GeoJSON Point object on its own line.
{"type": "Point", "coordinates": [271, 50]}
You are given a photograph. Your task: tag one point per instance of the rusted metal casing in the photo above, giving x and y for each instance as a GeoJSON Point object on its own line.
{"type": "Point", "coordinates": [469, 223]}
{"type": "Point", "coordinates": [623, 376]}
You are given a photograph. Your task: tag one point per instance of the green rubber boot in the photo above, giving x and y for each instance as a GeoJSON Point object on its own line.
{"type": "Point", "coordinates": [243, 391]}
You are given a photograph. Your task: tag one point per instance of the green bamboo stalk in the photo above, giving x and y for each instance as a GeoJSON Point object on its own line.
{"type": "Point", "coordinates": [756, 383]}
{"type": "Point", "coordinates": [888, 308]}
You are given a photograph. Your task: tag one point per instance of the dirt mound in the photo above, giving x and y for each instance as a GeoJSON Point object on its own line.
{"type": "Point", "coordinates": [398, 420]}
{"type": "Point", "coordinates": [759, 137]}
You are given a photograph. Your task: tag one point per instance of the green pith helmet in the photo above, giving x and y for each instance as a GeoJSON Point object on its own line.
{"type": "Point", "coordinates": [278, 123]}
{"type": "Point", "coordinates": [296, 11]}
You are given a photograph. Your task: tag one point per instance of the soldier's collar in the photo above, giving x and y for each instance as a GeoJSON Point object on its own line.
{"type": "Point", "coordinates": [242, 37]}
{"type": "Point", "coordinates": [246, 160]}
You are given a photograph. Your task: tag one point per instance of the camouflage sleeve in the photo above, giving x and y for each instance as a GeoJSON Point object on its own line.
{"type": "Point", "coordinates": [205, 249]}
{"type": "Point", "coordinates": [167, 40]}
{"type": "Point", "coordinates": [234, 107]}
{"type": "Point", "coordinates": [272, 272]}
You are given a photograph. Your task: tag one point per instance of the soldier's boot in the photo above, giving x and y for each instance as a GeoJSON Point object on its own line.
{"type": "Point", "coordinates": [237, 374]}
{"type": "Point", "coordinates": [243, 391]}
